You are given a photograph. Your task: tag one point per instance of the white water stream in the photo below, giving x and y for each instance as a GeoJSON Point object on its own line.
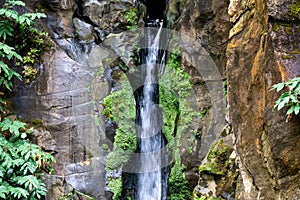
{"type": "Point", "coordinates": [150, 181]}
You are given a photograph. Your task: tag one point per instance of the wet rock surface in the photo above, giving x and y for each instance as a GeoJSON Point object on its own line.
{"type": "Point", "coordinates": [63, 98]}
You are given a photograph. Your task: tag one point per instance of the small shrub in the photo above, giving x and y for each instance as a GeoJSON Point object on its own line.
{"type": "Point", "coordinates": [290, 99]}
{"type": "Point", "coordinates": [115, 185]}
{"type": "Point", "coordinates": [119, 107]}
{"type": "Point", "coordinates": [21, 44]}
{"type": "Point", "coordinates": [131, 16]}
{"type": "Point", "coordinates": [177, 183]}
{"type": "Point", "coordinates": [21, 163]}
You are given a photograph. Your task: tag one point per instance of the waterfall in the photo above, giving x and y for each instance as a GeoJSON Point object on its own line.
{"type": "Point", "coordinates": [152, 180]}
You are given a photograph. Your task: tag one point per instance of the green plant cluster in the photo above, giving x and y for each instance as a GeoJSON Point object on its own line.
{"type": "Point", "coordinates": [175, 91]}
{"type": "Point", "coordinates": [291, 98]}
{"type": "Point", "coordinates": [20, 43]}
{"type": "Point", "coordinates": [119, 107]}
{"type": "Point", "coordinates": [177, 182]}
{"type": "Point", "coordinates": [21, 163]}
{"type": "Point", "coordinates": [295, 9]}
{"type": "Point", "coordinates": [131, 16]}
{"type": "Point", "coordinates": [217, 159]}
{"type": "Point", "coordinates": [115, 185]}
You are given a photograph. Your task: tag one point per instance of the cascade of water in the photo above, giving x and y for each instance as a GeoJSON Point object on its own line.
{"type": "Point", "coordinates": [151, 180]}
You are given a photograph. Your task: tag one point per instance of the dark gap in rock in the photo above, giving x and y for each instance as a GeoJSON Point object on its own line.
{"type": "Point", "coordinates": [284, 21]}
{"type": "Point", "coordinates": [51, 5]}
{"type": "Point", "coordinates": [155, 8]}
{"type": "Point", "coordinates": [80, 15]}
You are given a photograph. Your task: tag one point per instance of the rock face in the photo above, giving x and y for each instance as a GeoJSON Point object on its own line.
{"type": "Point", "coordinates": [267, 145]}
{"type": "Point", "coordinates": [262, 50]}
{"type": "Point", "coordinates": [66, 97]}
{"type": "Point", "coordinates": [206, 22]}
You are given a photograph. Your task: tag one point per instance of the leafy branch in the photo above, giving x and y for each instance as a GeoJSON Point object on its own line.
{"type": "Point", "coordinates": [21, 162]}
{"type": "Point", "coordinates": [18, 38]}
{"type": "Point", "coordinates": [289, 99]}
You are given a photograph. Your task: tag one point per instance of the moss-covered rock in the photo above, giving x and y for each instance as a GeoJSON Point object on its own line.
{"type": "Point", "coordinates": [218, 174]}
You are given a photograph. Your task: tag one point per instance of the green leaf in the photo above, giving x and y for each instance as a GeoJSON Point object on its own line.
{"type": "Point", "coordinates": [15, 126]}
{"type": "Point", "coordinates": [297, 109]}
{"type": "Point", "coordinates": [293, 84]}
{"type": "Point", "coordinates": [291, 110]}
{"type": "Point", "coordinates": [5, 124]}
{"type": "Point", "coordinates": [29, 166]}
{"type": "Point", "coordinates": [278, 86]}
{"type": "Point", "coordinates": [3, 192]}
{"type": "Point", "coordinates": [283, 101]}
{"type": "Point", "coordinates": [19, 192]}
{"type": "Point", "coordinates": [2, 11]}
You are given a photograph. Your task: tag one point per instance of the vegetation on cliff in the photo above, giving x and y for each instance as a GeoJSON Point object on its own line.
{"type": "Point", "coordinates": [21, 45]}
{"type": "Point", "coordinates": [291, 98]}
{"type": "Point", "coordinates": [22, 162]}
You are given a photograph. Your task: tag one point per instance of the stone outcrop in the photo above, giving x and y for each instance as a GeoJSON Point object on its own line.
{"type": "Point", "coordinates": [267, 145]}
{"type": "Point", "coordinates": [206, 23]}
{"type": "Point", "coordinates": [65, 100]}
{"type": "Point", "coordinates": [262, 50]}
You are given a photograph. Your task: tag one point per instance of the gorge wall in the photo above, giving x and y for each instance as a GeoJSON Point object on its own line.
{"type": "Point", "coordinates": [266, 143]}
{"type": "Point", "coordinates": [254, 43]}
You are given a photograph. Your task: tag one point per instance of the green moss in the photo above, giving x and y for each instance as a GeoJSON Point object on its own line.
{"type": "Point", "coordinates": [276, 27]}
{"type": "Point", "coordinates": [221, 170]}
{"type": "Point", "coordinates": [210, 168]}
{"type": "Point", "coordinates": [295, 9]}
{"type": "Point", "coordinates": [37, 123]}
{"type": "Point", "coordinates": [217, 159]}
{"type": "Point", "coordinates": [105, 146]}
{"type": "Point", "coordinates": [115, 185]}
{"type": "Point", "coordinates": [286, 57]}
{"type": "Point", "coordinates": [219, 151]}
{"type": "Point", "coordinates": [295, 52]}
{"type": "Point", "coordinates": [100, 71]}
{"type": "Point", "coordinates": [97, 120]}
{"type": "Point", "coordinates": [288, 30]}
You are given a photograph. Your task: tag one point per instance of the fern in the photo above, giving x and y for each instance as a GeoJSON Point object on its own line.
{"type": "Point", "coordinates": [20, 162]}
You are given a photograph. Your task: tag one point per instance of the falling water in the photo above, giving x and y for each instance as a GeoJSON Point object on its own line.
{"type": "Point", "coordinates": [151, 180]}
